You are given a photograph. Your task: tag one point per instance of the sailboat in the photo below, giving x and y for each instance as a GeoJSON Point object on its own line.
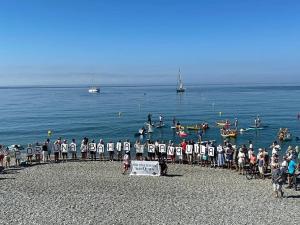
{"type": "Point", "coordinates": [180, 87]}
{"type": "Point", "coordinates": [94, 89]}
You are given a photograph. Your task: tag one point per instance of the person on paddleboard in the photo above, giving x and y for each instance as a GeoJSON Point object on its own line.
{"type": "Point", "coordinates": [160, 120]}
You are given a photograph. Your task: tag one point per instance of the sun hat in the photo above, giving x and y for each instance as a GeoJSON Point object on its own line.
{"type": "Point", "coordinates": [260, 149]}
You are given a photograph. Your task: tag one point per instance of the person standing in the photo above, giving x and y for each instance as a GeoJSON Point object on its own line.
{"type": "Point", "coordinates": [277, 180]}
{"type": "Point", "coordinates": [236, 123]}
{"type": "Point", "coordinates": [73, 149]}
{"type": "Point", "coordinates": [161, 120]}
{"type": "Point", "coordinates": [221, 160]}
{"type": "Point", "coordinates": [241, 161]}
{"type": "Point", "coordinates": [261, 163]}
{"type": "Point", "coordinates": [126, 162]}
{"type": "Point", "coordinates": [45, 152]}
{"type": "Point", "coordinates": [149, 119]}
{"type": "Point", "coordinates": [7, 157]}
{"type": "Point", "coordinates": [56, 151]}
{"type": "Point", "coordinates": [50, 148]}
{"type": "Point", "coordinates": [64, 150]}
{"type": "Point", "coordinates": [1, 155]}
{"type": "Point", "coordinates": [17, 155]}
{"type": "Point", "coordinates": [29, 151]}
{"type": "Point", "coordinates": [291, 172]}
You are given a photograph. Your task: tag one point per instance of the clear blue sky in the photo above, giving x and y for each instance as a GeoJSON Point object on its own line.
{"type": "Point", "coordinates": [125, 41]}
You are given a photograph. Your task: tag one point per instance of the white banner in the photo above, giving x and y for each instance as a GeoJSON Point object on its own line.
{"type": "Point", "coordinates": [189, 149]}
{"type": "Point", "coordinates": [211, 151]}
{"type": "Point", "coordinates": [151, 148]}
{"type": "Point", "coordinates": [145, 168]}
{"type": "Point", "coordinates": [196, 148]}
{"type": "Point", "coordinates": [110, 147]}
{"type": "Point", "coordinates": [100, 148]}
{"type": "Point", "coordinates": [171, 150]}
{"type": "Point", "coordinates": [179, 151]}
{"type": "Point", "coordinates": [162, 148]}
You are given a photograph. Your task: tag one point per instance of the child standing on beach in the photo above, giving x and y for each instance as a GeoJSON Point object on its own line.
{"type": "Point", "coordinates": [126, 162]}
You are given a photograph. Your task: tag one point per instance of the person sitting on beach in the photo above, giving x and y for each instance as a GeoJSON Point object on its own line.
{"type": "Point", "coordinates": [1, 155]}
{"type": "Point", "coordinates": [17, 155]}
{"type": "Point", "coordinates": [126, 162]}
{"type": "Point", "coordinates": [277, 180]}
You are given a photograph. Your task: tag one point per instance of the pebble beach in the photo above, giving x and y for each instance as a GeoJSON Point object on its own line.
{"type": "Point", "coordinates": [98, 193]}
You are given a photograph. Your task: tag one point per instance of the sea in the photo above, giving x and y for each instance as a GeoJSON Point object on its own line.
{"type": "Point", "coordinates": [118, 112]}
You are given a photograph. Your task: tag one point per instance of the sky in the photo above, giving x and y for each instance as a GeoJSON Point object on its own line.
{"type": "Point", "coordinates": [69, 42]}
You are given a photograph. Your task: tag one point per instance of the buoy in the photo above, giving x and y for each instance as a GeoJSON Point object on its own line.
{"type": "Point", "coordinates": [220, 113]}
{"type": "Point", "coordinates": [49, 133]}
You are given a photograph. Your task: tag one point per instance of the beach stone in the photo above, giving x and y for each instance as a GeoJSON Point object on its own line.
{"type": "Point", "coordinates": [97, 193]}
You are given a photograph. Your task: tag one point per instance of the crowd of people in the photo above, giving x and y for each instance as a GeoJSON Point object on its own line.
{"type": "Point", "coordinates": [205, 153]}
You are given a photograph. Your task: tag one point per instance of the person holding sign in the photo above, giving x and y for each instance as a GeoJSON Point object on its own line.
{"type": "Point", "coordinates": [73, 149]}
{"type": "Point", "coordinates": [119, 150]}
{"type": "Point", "coordinates": [171, 151]}
{"type": "Point", "coordinates": [56, 151]}
{"type": "Point", "coordinates": [100, 149]}
{"type": "Point", "coordinates": [189, 152]}
{"type": "Point", "coordinates": [92, 150]}
{"type": "Point", "coordinates": [151, 150]}
{"type": "Point", "coordinates": [179, 153]}
{"type": "Point", "coordinates": [64, 150]}
{"type": "Point", "coordinates": [110, 149]}
{"type": "Point", "coordinates": [84, 148]}
{"type": "Point", "coordinates": [29, 152]}
{"type": "Point", "coordinates": [17, 155]}
{"type": "Point", "coordinates": [38, 149]}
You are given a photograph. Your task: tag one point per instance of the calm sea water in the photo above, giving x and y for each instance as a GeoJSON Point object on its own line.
{"type": "Point", "coordinates": [26, 114]}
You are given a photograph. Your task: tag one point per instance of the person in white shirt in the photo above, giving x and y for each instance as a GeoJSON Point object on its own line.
{"type": "Point", "coordinates": [241, 161]}
{"type": "Point", "coordinates": [73, 149]}
{"type": "Point", "coordinates": [64, 150]}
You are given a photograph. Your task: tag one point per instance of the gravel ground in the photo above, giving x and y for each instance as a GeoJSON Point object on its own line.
{"type": "Point", "coordinates": [97, 193]}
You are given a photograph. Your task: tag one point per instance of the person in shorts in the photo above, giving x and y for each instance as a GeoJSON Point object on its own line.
{"type": "Point", "coordinates": [17, 155]}
{"type": "Point", "coordinates": [241, 161]}
{"type": "Point", "coordinates": [7, 157]}
{"type": "Point", "coordinates": [29, 152]}
{"type": "Point", "coordinates": [277, 180]}
{"type": "Point", "coordinates": [126, 162]}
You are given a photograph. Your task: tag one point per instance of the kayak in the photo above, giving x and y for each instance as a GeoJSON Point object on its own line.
{"type": "Point", "coordinates": [222, 123]}
{"type": "Point", "coordinates": [197, 127]}
{"type": "Point", "coordinates": [229, 134]}
{"type": "Point", "coordinates": [182, 134]}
